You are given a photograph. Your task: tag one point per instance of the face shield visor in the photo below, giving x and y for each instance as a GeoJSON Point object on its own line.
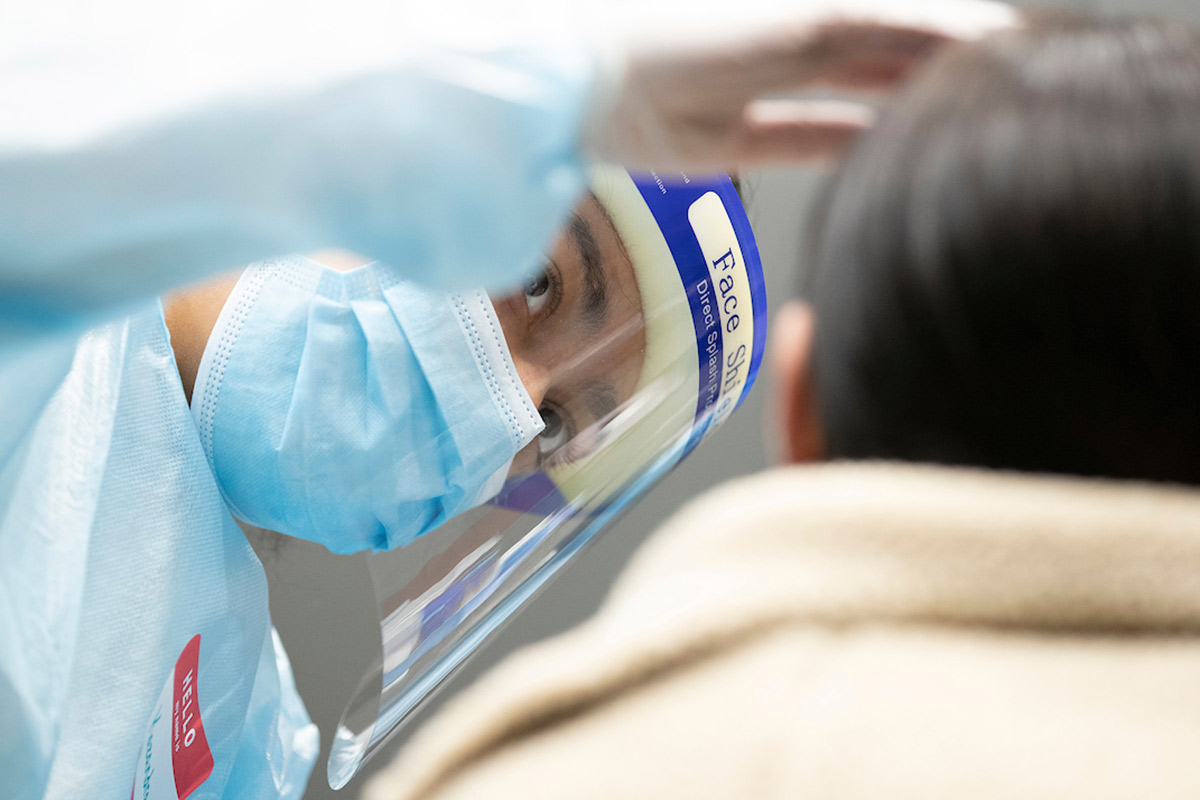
{"type": "Point", "coordinates": [644, 331]}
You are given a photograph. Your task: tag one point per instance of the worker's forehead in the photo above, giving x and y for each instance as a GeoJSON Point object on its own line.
{"type": "Point", "coordinates": [608, 304]}
{"type": "Point", "coordinates": [598, 360]}
{"type": "Point", "coordinates": [601, 247]}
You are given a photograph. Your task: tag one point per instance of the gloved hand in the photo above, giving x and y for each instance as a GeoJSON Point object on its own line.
{"type": "Point", "coordinates": [697, 96]}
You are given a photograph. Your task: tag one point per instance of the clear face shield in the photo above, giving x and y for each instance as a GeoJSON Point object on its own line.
{"type": "Point", "coordinates": [644, 332]}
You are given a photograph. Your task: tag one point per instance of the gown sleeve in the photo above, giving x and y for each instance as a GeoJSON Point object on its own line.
{"type": "Point", "coordinates": [148, 145]}
{"type": "Point", "coordinates": [145, 153]}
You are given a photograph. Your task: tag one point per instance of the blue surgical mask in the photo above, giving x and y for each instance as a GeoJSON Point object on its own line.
{"type": "Point", "coordinates": [354, 409]}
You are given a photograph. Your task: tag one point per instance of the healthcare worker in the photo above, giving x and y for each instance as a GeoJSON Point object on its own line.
{"type": "Point", "coordinates": [144, 152]}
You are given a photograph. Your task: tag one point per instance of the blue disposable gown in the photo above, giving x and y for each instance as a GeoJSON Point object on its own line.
{"type": "Point", "coordinates": [133, 615]}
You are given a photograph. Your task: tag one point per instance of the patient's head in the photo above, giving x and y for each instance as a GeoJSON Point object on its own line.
{"type": "Point", "coordinates": [1006, 268]}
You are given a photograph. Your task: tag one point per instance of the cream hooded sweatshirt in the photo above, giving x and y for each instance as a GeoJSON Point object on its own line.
{"type": "Point", "coordinates": [860, 631]}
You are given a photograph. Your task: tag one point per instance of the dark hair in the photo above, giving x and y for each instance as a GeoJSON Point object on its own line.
{"type": "Point", "coordinates": [1007, 267]}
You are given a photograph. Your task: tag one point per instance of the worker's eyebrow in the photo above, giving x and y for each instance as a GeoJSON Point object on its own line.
{"type": "Point", "coordinates": [594, 310]}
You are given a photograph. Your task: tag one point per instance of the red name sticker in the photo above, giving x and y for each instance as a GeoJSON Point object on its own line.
{"type": "Point", "coordinates": [174, 758]}
{"type": "Point", "coordinates": [190, 757]}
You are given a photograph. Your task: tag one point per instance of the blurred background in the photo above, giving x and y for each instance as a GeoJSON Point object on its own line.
{"type": "Point", "coordinates": [323, 604]}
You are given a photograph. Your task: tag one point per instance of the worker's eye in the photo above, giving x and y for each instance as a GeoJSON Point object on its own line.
{"type": "Point", "coordinates": [559, 430]}
{"type": "Point", "coordinates": [537, 291]}
{"type": "Point", "coordinates": [541, 291]}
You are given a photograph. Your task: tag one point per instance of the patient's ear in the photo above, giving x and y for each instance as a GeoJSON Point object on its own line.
{"type": "Point", "coordinates": [797, 423]}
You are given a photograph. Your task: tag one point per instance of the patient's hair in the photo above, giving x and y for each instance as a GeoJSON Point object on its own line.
{"type": "Point", "coordinates": [1007, 267]}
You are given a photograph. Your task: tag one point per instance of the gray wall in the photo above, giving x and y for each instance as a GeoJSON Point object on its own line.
{"type": "Point", "coordinates": [322, 603]}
